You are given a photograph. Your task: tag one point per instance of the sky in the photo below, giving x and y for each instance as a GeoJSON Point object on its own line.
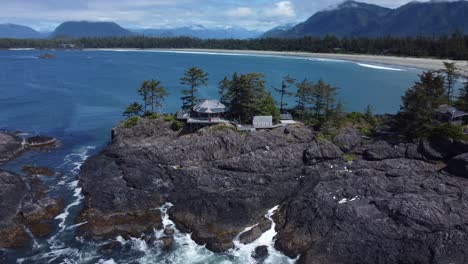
{"type": "Point", "coordinates": [45, 15]}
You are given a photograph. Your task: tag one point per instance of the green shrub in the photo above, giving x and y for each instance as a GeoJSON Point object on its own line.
{"type": "Point", "coordinates": [152, 116]}
{"type": "Point", "coordinates": [448, 130]}
{"type": "Point", "coordinates": [355, 117]}
{"type": "Point", "coordinates": [169, 118]}
{"type": "Point", "coordinates": [131, 122]}
{"type": "Point", "coordinates": [366, 131]}
{"type": "Point", "coordinates": [349, 157]}
{"type": "Point", "coordinates": [177, 125]}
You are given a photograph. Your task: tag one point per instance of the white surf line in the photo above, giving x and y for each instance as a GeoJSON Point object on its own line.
{"type": "Point", "coordinates": [244, 252]}
{"type": "Point", "coordinates": [378, 67]}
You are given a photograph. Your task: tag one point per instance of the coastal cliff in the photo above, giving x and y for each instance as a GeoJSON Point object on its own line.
{"type": "Point", "coordinates": [347, 200]}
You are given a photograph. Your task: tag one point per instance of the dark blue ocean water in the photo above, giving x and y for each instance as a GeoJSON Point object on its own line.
{"type": "Point", "coordinates": [79, 96]}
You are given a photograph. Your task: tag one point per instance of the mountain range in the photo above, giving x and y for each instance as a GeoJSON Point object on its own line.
{"type": "Point", "coordinates": [355, 19]}
{"type": "Point", "coordinates": [18, 31]}
{"type": "Point", "coordinates": [202, 32]}
{"type": "Point", "coordinates": [349, 19]}
{"type": "Point", "coordinates": [78, 29]}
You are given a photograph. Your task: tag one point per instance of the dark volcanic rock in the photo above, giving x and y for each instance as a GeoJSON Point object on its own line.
{"type": "Point", "coordinates": [321, 150]}
{"type": "Point", "coordinates": [390, 207]}
{"type": "Point", "coordinates": [38, 170]}
{"type": "Point", "coordinates": [21, 207]}
{"type": "Point", "coordinates": [109, 248]}
{"type": "Point", "coordinates": [254, 233]}
{"type": "Point", "coordinates": [40, 141]}
{"type": "Point", "coordinates": [382, 150]}
{"type": "Point", "coordinates": [348, 139]}
{"type": "Point", "coordinates": [167, 242]}
{"type": "Point", "coordinates": [10, 146]}
{"type": "Point", "coordinates": [261, 252]}
{"type": "Point", "coordinates": [459, 165]}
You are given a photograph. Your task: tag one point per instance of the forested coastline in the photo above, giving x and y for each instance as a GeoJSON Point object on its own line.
{"type": "Point", "coordinates": [446, 47]}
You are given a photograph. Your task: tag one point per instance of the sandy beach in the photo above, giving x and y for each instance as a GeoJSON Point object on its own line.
{"type": "Point", "coordinates": [419, 63]}
{"type": "Point", "coordinates": [409, 62]}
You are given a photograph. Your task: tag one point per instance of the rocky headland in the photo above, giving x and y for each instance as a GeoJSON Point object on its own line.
{"type": "Point", "coordinates": [26, 211]}
{"type": "Point", "coordinates": [344, 200]}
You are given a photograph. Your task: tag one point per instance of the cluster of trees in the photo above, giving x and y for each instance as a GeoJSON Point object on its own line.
{"type": "Point", "coordinates": [416, 118]}
{"type": "Point", "coordinates": [246, 96]}
{"type": "Point", "coordinates": [452, 47]}
{"type": "Point", "coordinates": [153, 95]}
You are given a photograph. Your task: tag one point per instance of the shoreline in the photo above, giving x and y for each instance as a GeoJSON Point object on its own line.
{"type": "Point", "coordinates": [407, 62]}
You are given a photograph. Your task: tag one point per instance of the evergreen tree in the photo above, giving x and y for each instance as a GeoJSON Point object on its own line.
{"type": "Point", "coordinates": [462, 102]}
{"type": "Point", "coordinates": [223, 87]}
{"type": "Point", "coordinates": [369, 116]}
{"type": "Point", "coordinates": [284, 91]}
{"type": "Point", "coordinates": [144, 91]}
{"type": "Point", "coordinates": [303, 95]}
{"type": "Point", "coordinates": [247, 97]}
{"type": "Point", "coordinates": [194, 77]}
{"type": "Point", "coordinates": [451, 77]}
{"type": "Point", "coordinates": [323, 99]}
{"type": "Point", "coordinates": [157, 95]}
{"type": "Point", "coordinates": [419, 104]}
{"type": "Point", "coordinates": [134, 109]}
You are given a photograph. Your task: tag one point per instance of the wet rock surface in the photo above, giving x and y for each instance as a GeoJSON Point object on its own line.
{"type": "Point", "coordinates": [24, 206]}
{"type": "Point", "coordinates": [12, 146]}
{"type": "Point", "coordinates": [391, 204]}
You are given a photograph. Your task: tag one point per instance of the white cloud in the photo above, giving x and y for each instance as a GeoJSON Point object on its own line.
{"type": "Point", "coordinates": [283, 9]}
{"type": "Point", "coordinates": [241, 12]}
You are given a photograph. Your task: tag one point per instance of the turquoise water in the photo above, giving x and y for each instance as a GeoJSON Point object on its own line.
{"type": "Point", "coordinates": [79, 96]}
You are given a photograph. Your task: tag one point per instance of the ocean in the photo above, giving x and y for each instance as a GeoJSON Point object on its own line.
{"type": "Point", "coordinates": [78, 97]}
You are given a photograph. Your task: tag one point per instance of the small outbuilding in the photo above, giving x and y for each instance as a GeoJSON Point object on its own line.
{"type": "Point", "coordinates": [449, 114]}
{"type": "Point", "coordinates": [287, 119]}
{"type": "Point", "coordinates": [262, 122]}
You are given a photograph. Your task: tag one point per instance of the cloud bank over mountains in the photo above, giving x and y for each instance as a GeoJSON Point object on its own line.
{"type": "Point", "coordinates": [252, 14]}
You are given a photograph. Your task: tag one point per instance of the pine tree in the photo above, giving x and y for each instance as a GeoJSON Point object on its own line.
{"type": "Point", "coordinates": [462, 102]}
{"type": "Point", "coordinates": [194, 78]}
{"type": "Point", "coordinates": [284, 91]}
{"type": "Point", "coordinates": [451, 77]}
{"type": "Point", "coordinates": [157, 95]}
{"type": "Point", "coordinates": [323, 99]}
{"type": "Point", "coordinates": [134, 109]}
{"type": "Point", "coordinates": [247, 97]}
{"type": "Point", "coordinates": [223, 87]}
{"type": "Point", "coordinates": [144, 92]}
{"type": "Point", "coordinates": [419, 103]}
{"type": "Point", "coordinates": [303, 95]}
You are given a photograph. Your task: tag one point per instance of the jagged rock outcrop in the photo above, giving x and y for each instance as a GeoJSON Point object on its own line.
{"type": "Point", "coordinates": [459, 165]}
{"type": "Point", "coordinates": [12, 146]}
{"type": "Point", "coordinates": [348, 139]}
{"type": "Point", "coordinates": [390, 204]}
{"type": "Point", "coordinates": [23, 205]}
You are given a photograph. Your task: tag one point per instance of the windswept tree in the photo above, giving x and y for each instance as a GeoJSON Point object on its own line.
{"type": "Point", "coordinates": [451, 77]}
{"type": "Point", "coordinates": [419, 103]}
{"type": "Point", "coordinates": [144, 92]}
{"type": "Point", "coordinates": [134, 109]}
{"type": "Point", "coordinates": [157, 95]}
{"type": "Point", "coordinates": [194, 78]}
{"type": "Point", "coordinates": [286, 84]}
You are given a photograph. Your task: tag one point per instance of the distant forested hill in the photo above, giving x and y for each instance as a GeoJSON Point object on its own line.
{"type": "Point", "coordinates": [355, 19]}
{"type": "Point", "coordinates": [78, 29]}
{"type": "Point", "coordinates": [17, 31]}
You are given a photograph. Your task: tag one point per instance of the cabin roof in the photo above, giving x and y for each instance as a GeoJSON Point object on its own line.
{"type": "Point", "coordinates": [450, 110]}
{"type": "Point", "coordinates": [210, 107]}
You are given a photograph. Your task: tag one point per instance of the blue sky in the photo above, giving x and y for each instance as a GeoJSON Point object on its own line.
{"type": "Point", "coordinates": [45, 15]}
